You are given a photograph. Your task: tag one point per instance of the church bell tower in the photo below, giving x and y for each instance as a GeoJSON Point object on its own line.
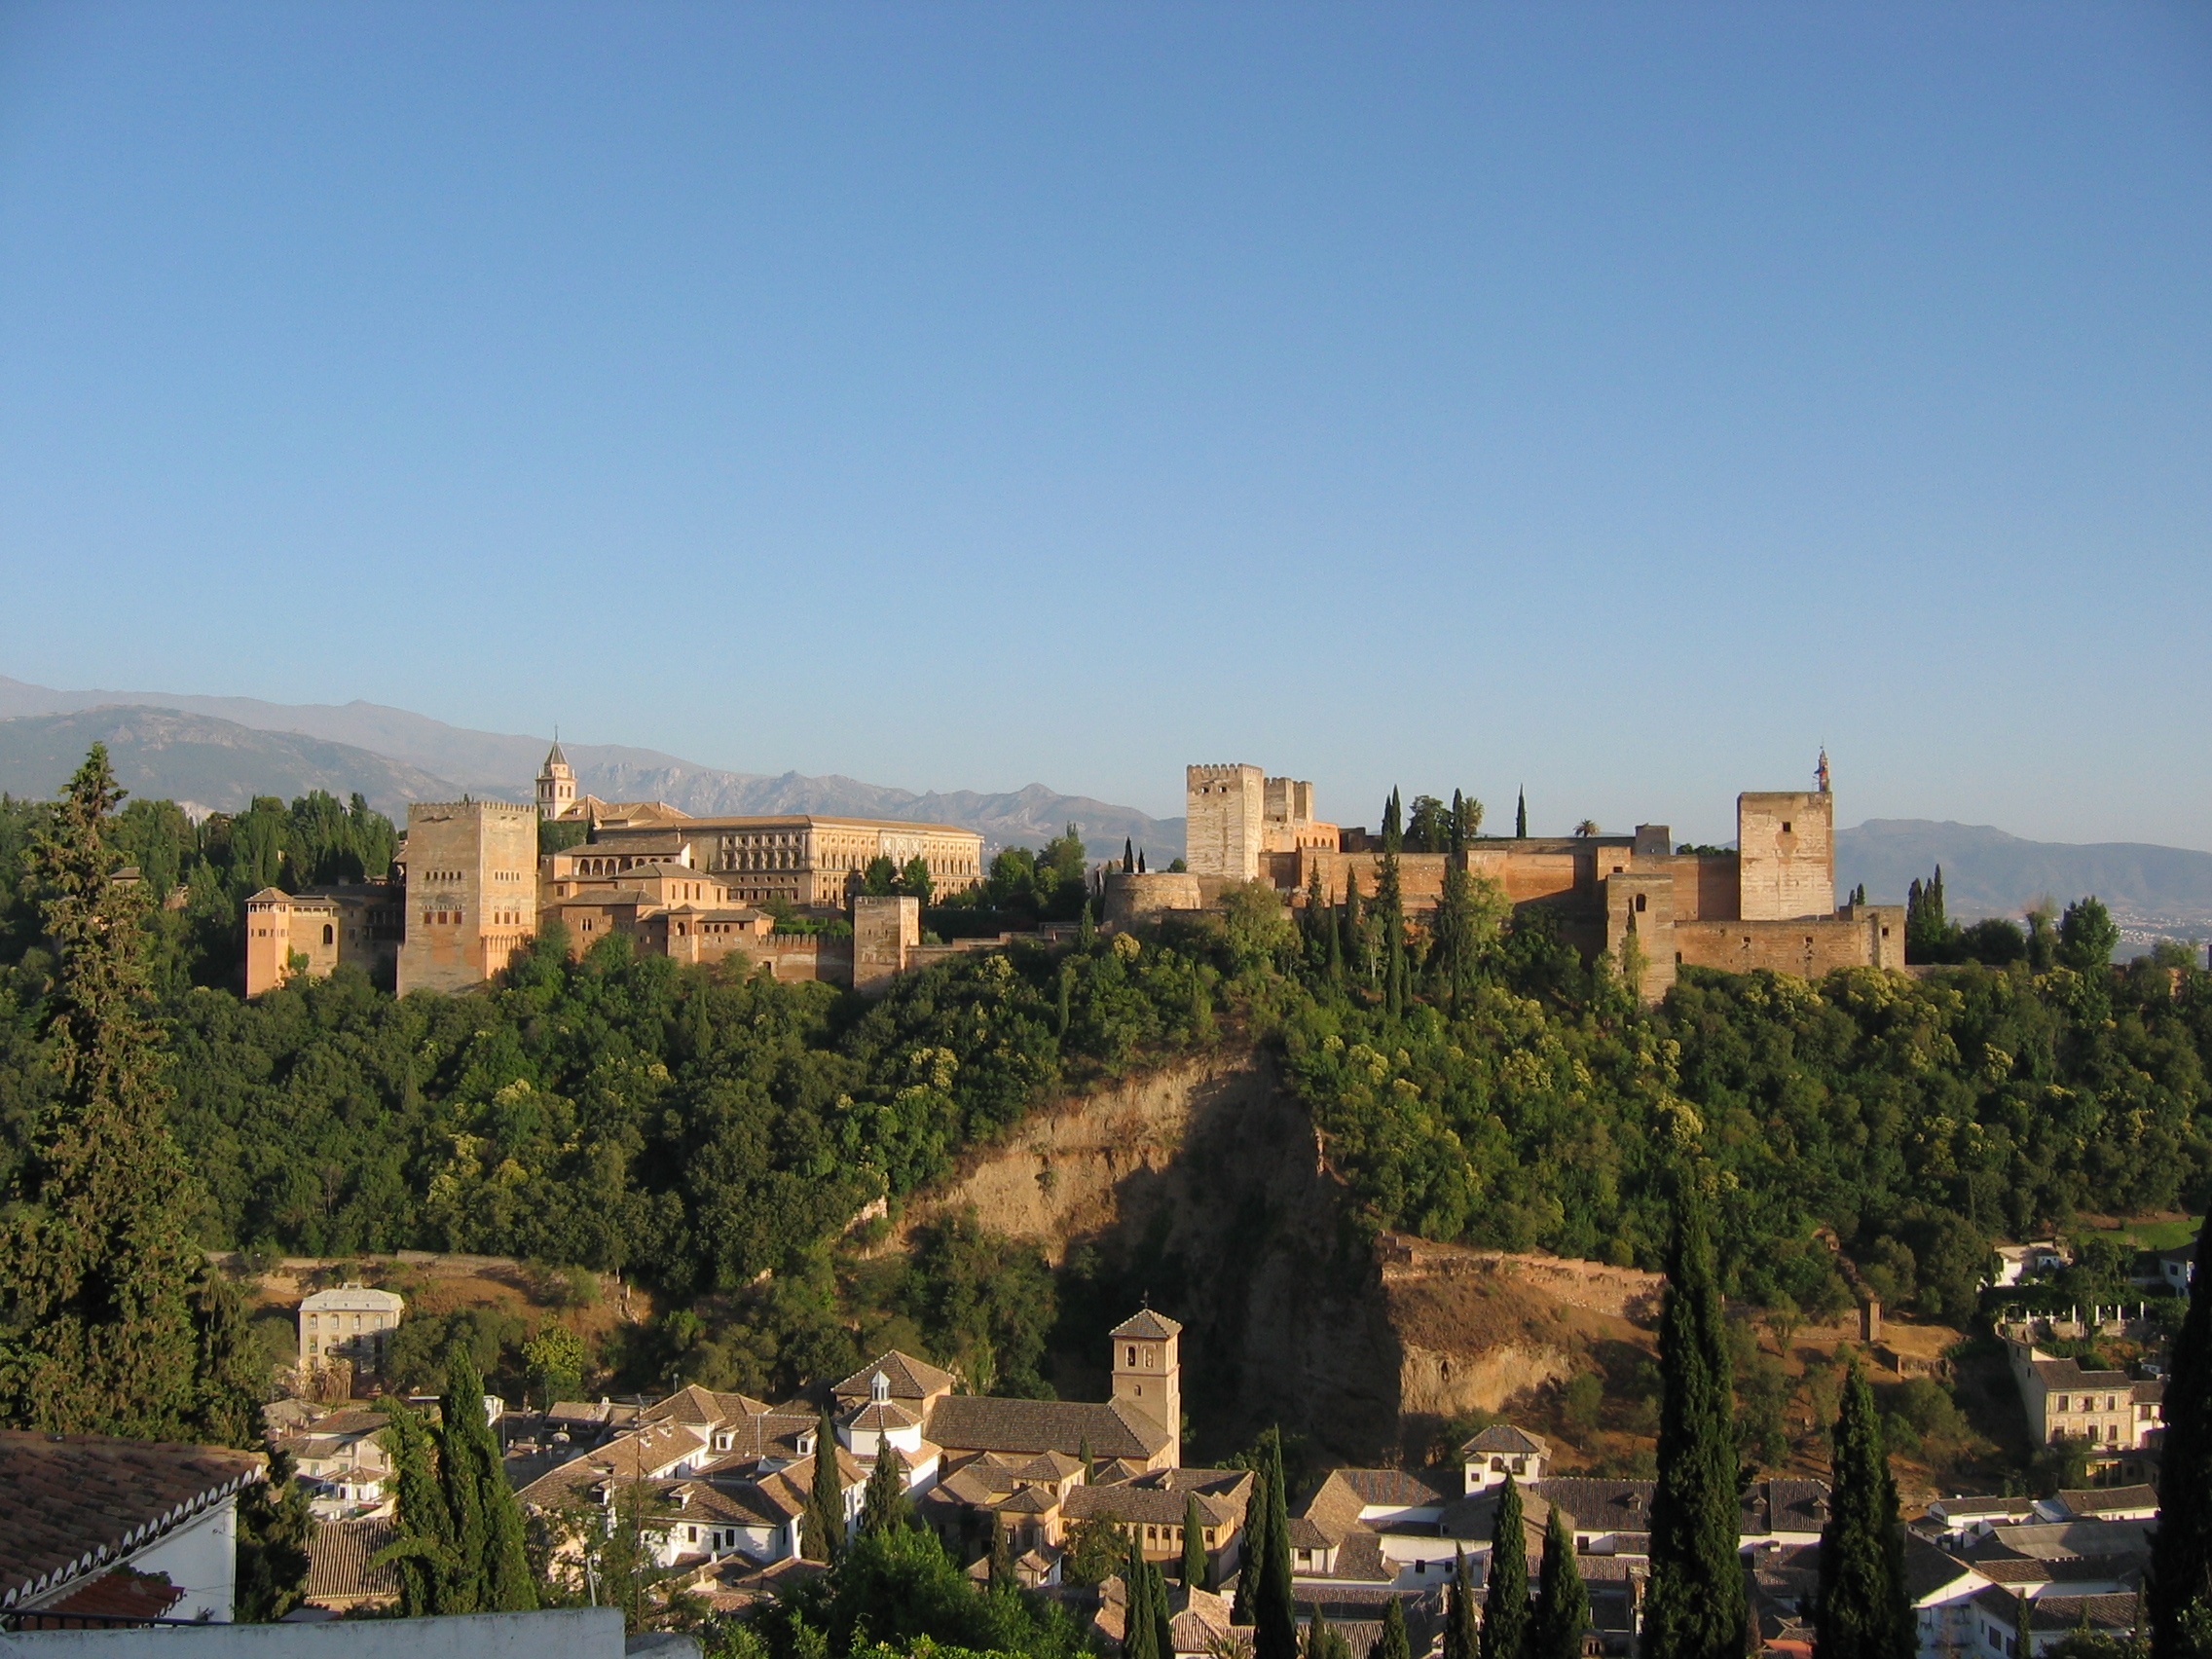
{"type": "Point", "coordinates": [556, 785]}
{"type": "Point", "coordinates": [1148, 1371]}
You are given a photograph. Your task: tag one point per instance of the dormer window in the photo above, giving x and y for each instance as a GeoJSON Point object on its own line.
{"type": "Point", "coordinates": [879, 1387]}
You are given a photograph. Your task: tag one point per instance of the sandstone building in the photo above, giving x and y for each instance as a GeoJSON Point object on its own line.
{"type": "Point", "coordinates": [469, 871]}
{"type": "Point", "coordinates": [312, 932]}
{"type": "Point", "coordinates": [1770, 904]}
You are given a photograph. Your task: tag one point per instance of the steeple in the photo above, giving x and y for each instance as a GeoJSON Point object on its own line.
{"type": "Point", "coordinates": [1822, 772]}
{"type": "Point", "coordinates": [556, 784]}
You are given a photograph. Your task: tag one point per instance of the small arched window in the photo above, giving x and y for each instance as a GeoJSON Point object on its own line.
{"type": "Point", "coordinates": [329, 936]}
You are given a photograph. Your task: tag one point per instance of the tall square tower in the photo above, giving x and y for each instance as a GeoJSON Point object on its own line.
{"type": "Point", "coordinates": [1147, 1371]}
{"type": "Point", "coordinates": [1227, 820]}
{"type": "Point", "coordinates": [471, 869]}
{"type": "Point", "coordinates": [1785, 845]}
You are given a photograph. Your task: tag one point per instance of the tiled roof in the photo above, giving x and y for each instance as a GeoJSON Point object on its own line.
{"type": "Point", "coordinates": [971, 1423]}
{"type": "Point", "coordinates": [1784, 1506]}
{"type": "Point", "coordinates": [910, 1378]}
{"type": "Point", "coordinates": [881, 1415]}
{"type": "Point", "coordinates": [1148, 1505]}
{"type": "Point", "coordinates": [1927, 1569]}
{"type": "Point", "coordinates": [1962, 1508]}
{"type": "Point", "coordinates": [633, 1456]}
{"type": "Point", "coordinates": [693, 1404]}
{"type": "Point", "coordinates": [119, 1594]}
{"type": "Point", "coordinates": [337, 1563]}
{"type": "Point", "coordinates": [2059, 1540]}
{"type": "Point", "coordinates": [2100, 1501]}
{"type": "Point", "coordinates": [1599, 1504]}
{"type": "Point", "coordinates": [2060, 1613]}
{"type": "Point", "coordinates": [1392, 1487]}
{"type": "Point", "coordinates": [1503, 1437]}
{"type": "Point", "coordinates": [73, 1502]}
{"type": "Point", "coordinates": [1147, 1326]}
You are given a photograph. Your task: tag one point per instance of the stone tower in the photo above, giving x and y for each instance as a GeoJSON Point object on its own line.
{"type": "Point", "coordinates": [556, 785]}
{"type": "Point", "coordinates": [1225, 828]}
{"type": "Point", "coordinates": [1786, 844]}
{"type": "Point", "coordinates": [471, 892]}
{"type": "Point", "coordinates": [1147, 1371]}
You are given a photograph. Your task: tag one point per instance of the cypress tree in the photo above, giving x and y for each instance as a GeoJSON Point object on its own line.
{"type": "Point", "coordinates": [1129, 856]}
{"type": "Point", "coordinates": [823, 1525]}
{"type": "Point", "coordinates": [273, 1526]}
{"type": "Point", "coordinates": [1505, 1603]}
{"type": "Point", "coordinates": [423, 1552]}
{"type": "Point", "coordinates": [1393, 825]}
{"type": "Point", "coordinates": [1194, 1544]}
{"type": "Point", "coordinates": [1390, 916]}
{"type": "Point", "coordinates": [1274, 1623]}
{"type": "Point", "coordinates": [1163, 1616]}
{"type": "Point", "coordinates": [226, 1411]}
{"type": "Point", "coordinates": [2181, 1551]}
{"type": "Point", "coordinates": [1245, 1608]}
{"type": "Point", "coordinates": [96, 1254]}
{"type": "Point", "coordinates": [1695, 1607]}
{"type": "Point", "coordinates": [1462, 1640]}
{"type": "Point", "coordinates": [1140, 1631]}
{"type": "Point", "coordinates": [1089, 1463]}
{"type": "Point", "coordinates": [1002, 1555]}
{"type": "Point", "coordinates": [1393, 1644]}
{"type": "Point", "coordinates": [883, 1506]}
{"type": "Point", "coordinates": [1562, 1604]}
{"type": "Point", "coordinates": [1140, 860]}
{"type": "Point", "coordinates": [492, 1567]}
{"type": "Point", "coordinates": [1521, 817]}
{"type": "Point", "coordinates": [1862, 1612]}
{"type": "Point", "coordinates": [1354, 951]}
{"type": "Point", "coordinates": [1321, 1639]}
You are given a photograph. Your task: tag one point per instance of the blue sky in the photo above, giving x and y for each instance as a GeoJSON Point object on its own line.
{"type": "Point", "coordinates": [1620, 401]}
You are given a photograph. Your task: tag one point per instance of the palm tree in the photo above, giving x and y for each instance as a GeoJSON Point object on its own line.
{"type": "Point", "coordinates": [1587, 827]}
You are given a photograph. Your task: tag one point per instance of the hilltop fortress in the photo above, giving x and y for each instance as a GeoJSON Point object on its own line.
{"type": "Point", "coordinates": [1770, 904]}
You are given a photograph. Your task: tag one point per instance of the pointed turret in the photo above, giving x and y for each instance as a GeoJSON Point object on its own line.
{"type": "Point", "coordinates": [556, 785]}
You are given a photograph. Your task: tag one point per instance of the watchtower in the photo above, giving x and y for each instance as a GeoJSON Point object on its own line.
{"type": "Point", "coordinates": [1147, 1371]}
{"type": "Point", "coordinates": [1227, 820]}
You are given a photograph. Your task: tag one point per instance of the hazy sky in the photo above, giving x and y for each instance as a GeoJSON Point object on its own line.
{"type": "Point", "coordinates": [1618, 400]}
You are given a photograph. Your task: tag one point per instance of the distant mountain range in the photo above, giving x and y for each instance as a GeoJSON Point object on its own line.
{"type": "Point", "coordinates": [221, 751]}
{"type": "Point", "coordinates": [1986, 873]}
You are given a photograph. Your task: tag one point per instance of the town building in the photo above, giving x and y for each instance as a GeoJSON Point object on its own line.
{"type": "Point", "coordinates": [309, 932]}
{"type": "Point", "coordinates": [351, 1325]}
{"type": "Point", "coordinates": [97, 1530]}
{"type": "Point", "coordinates": [2111, 1413]}
{"type": "Point", "coordinates": [1769, 903]}
{"type": "Point", "coordinates": [340, 1459]}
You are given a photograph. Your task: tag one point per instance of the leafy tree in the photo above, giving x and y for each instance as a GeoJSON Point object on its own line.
{"type": "Point", "coordinates": [1562, 1603]}
{"type": "Point", "coordinates": [881, 879]}
{"type": "Point", "coordinates": [96, 1253]}
{"type": "Point", "coordinates": [1694, 1608]}
{"type": "Point", "coordinates": [914, 879]}
{"type": "Point", "coordinates": [1506, 1605]}
{"type": "Point", "coordinates": [555, 1357]}
{"type": "Point", "coordinates": [1466, 820]}
{"type": "Point", "coordinates": [1863, 1611]}
{"type": "Point", "coordinates": [1094, 1549]}
{"type": "Point", "coordinates": [1428, 826]}
{"type": "Point", "coordinates": [274, 1528]}
{"type": "Point", "coordinates": [2179, 1593]}
{"type": "Point", "coordinates": [2087, 936]}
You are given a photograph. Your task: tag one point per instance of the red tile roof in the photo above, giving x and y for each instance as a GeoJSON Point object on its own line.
{"type": "Point", "coordinates": [70, 1503]}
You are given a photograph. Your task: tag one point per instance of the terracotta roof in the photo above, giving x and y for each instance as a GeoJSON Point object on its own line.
{"type": "Point", "coordinates": [635, 1456]}
{"type": "Point", "coordinates": [693, 1404]}
{"type": "Point", "coordinates": [337, 1563]}
{"type": "Point", "coordinates": [1151, 1505]}
{"type": "Point", "coordinates": [73, 1502]}
{"type": "Point", "coordinates": [971, 1423]}
{"type": "Point", "coordinates": [1147, 1326]}
{"type": "Point", "coordinates": [119, 1594]}
{"type": "Point", "coordinates": [910, 1378]}
{"type": "Point", "coordinates": [884, 1415]}
{"type": "Point", "coordinates": [1376, 1487]}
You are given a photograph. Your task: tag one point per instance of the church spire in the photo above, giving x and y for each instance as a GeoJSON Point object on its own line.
{"type": "Point", "coordinates": [1822, 772]}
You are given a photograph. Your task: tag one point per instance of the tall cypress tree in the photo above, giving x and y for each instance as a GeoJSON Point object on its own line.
{"type": "Point", "coordinates": [1252, 1549]}
{"type": "Point", "coordinates": [2181, 1551]}
{"type": "Point", "coordinates": [1862, 1612]}
{"type": "Point", "coordinates": [1274, 1622]}
{"type": "Point", "coordinates": [883, 1506]}
{"type": "Point", "coordinates": [1562, 1603]}
{"type": "Point", "coordinates": [1461, 1638]}
{"type": "Point", "coordinates": [1194, 1544]}
{"type": "Point", "coordinates": [423, 1552]}
{"type": "Point", "coordinates": [1354, 927]}
{"type": "Point", "coordinates": [1505, 1602]}
{"type": "Point", "coordinates": [1695, 1606]}
{"type": "Point", "coordinates": [1129, 856]}
{"type": "Point", "coordinates": [822, 1527]}
{"type": "Point", "coordinates": [1521, 817]}
{"type": "Point", "coordinates": [1140, 1635]}
{"type": "Point", "coordinates": [96, 1254]}
{"type": "Point", "coordinates": [1163, 1616]}
{"type": "Point", "coordinates": [1393, 1642]}
{"type": "Point", "coordinates": [1391, 911]}
{"type": "Point", "coordinates": [491, 1572]}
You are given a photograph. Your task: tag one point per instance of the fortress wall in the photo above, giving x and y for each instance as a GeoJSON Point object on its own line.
{"type": "Point", "coordinates": [1807, 946]}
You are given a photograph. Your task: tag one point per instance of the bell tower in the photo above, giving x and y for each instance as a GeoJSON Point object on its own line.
{"type": "Point", "coordinates": [556, 785]}
{"type": "Point", "coordinates": [1148, 1371]}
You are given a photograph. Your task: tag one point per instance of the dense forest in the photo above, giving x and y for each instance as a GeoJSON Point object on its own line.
{"type": "Point", "coordinates": [714, 1136]}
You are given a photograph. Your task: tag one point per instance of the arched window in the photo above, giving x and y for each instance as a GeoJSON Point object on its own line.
{"type": "Point", "coordinates": [329, 936]}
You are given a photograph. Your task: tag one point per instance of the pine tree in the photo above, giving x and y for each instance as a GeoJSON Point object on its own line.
{"type": "Point", "coordinates": [1694, 1608]}
{"type": "Point", "coordinates": [1562, 1603]}
{"type": "Point", "coordinates": [493, 1571]}
{"type": "Point", "coordinates": [1274, 1626]}
{"type": "Point", "coordinates": [1521, 817]}
{"type": "Point", "coordinates": [1194, 1544]}
{"type": "Point", "coordinates": [883, 1506]}
{"type": "Point", "coordinates": [1506, 1605]}
{"type": "Point", "coordinates": [822, 1527]}
{"type": "Point", "coordinates": [1862, 1612]}
{"type": "Point", "coordinates": [1244, 1609]}
{"type": "Point", "coordinates": [1461, 1638]}
{"type": "Point", "coordinates": [423, 1552]}
{"type": "Point", "coordinates": [2181, 1550]}
{"type": "Point", "coordinates": [96, 1254]}
{"type": "Point", "coordinates": [1393, 1642]}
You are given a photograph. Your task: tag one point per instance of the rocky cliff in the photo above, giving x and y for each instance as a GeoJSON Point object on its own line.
{"type": "Point", "coordinates": [1204, 1188]}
